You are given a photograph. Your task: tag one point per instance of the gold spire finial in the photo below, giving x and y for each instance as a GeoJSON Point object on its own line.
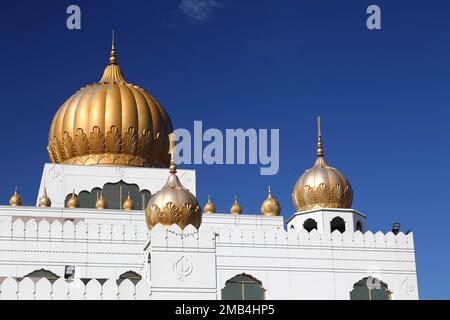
{"type": "Point", "coordinates": [44, 201]}
{"type": "Point", "coordinates": [236, 207]}
{"type": "Point", "coordinates": [270, 206]}
{"type": "Point", "coordinates": [15, 200]}
{"type": "Point", "coordinates": [320, 153]}
{"type": "Point", "coordinates": [270, 191]}
{"type": "Point", "coordinates": [172, 141]}
{"type": "Point", "coordinates": [209, 206]}
{"type": "Point", "coordinates": [113, 56]}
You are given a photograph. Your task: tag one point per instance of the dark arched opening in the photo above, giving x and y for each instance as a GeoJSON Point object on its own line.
{"type": "Point", "coordinates": [130, 275]}
{"type": "Point", "coordinates": [310, 225]}
{"type": "Point", "coordinates": [42, 273]}
{"type": "Point", "coordinates": [359, 226]}
{"type": "Point", "coordinates": [370, 288]}
{"type": "Point", "coordinates": [337, 224]}
{"type": "Point", "coordinates": [243, 287]}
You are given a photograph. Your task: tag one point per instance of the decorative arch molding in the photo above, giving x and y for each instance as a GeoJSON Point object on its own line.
{"type": "Point", "coordinates": [243, 287]}
{"type": "Point", "coordinates": [115, 194]}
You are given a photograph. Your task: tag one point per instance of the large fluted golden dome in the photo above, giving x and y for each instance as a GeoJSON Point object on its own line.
{"type": "Point", "coordinates": [111, 122]}
{"type": "Point", "coordinates": [322, 186]}
{"type": "Point", "coordinates": [173, 204]}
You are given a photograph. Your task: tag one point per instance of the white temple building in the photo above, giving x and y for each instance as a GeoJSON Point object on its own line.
{"type": "Point", "coordinates": [115, 219]}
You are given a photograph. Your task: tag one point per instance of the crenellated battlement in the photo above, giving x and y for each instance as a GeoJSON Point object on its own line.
{"type": "Point", "coordinates": [58, 229]}
{"type": "Point", "coordinates": [281, 237]}
{"type": "Point", "coordinates": [43, 289]}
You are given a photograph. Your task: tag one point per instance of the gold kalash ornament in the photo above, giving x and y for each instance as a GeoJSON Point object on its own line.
{"type": "Point", "coordinates": [270, 207]}
{"type": "Point", "coordinates": [236, 207]}
{"type": "Point", "coordinates": [111, 122]}
{"type": "Point", "coordinates": [15, 200]}
{"type": "Point", "coordinates": [322, 186]}
{"type": "Point", "coordinates": [173, 204]}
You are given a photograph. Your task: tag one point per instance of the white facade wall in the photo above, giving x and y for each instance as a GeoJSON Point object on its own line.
{"type": "Point", "coordinates": [188, 264]}
{"type": "Point", "coordinates": [196, 264]}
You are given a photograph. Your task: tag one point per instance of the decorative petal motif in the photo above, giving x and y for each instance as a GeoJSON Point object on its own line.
{"type": "Point", "coordinates": [113, 141]}
{"type": "Point", "coordinates": [97, 141]}
{"type": "Point", "coordinates": [130, 142]}
{"type": "Point", "coordinates": [322, 195]}
{"type": "Point", "coordinates": [81, 146]}
{"type": "Point", "coordinates": [67, 146]}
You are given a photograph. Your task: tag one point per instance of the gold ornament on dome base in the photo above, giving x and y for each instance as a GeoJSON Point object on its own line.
{"type": "Point", "coordinates": [209, 207]}
{"type": "Point", "coordinates": [44, 201]}
{"type": "Point", "coordinates": [101, 202]}
{"type": "Point", "coordinates": [111, 122]}
{"type": "Point", "coordinates": [236, 207]}
{"type": "Point", "coordinates": [173, 204]}
{"type": "Point", "coordinates": [270, 207]}
{"type": "Point", "coordinates": [322, 186]}
{"type": "Point", "coordinates": [15, 200]}
{"type": "Point", "coordinates": [129, 204]}
{"type": "Point", "coordinates": [73, 202]}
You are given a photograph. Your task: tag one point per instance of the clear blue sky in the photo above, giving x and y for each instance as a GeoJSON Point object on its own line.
{"type": "Point", "coordinates": [384, 96]}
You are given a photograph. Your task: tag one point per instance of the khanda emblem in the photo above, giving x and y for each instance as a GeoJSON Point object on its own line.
{"type": "Point", "coordinates": [182, 268]}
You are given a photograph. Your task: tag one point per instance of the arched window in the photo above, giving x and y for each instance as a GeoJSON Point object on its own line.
{"type": "Point", "coordinates": [115, 194]}
{"type": "Point", "coordinates": [243, 287]}
{"type": "Point", "coordinates": [130, 275]}
{"type": "Point", "coordinates": [310, 225]}
{"type": "Point", "coordinates": [370, 288]}
{"type": "Point", "coordinates": [42, 273]}
{"type": "Point", "coordinates": [359, 226]}
{"type": "Point", "coordinates": [337, 224]}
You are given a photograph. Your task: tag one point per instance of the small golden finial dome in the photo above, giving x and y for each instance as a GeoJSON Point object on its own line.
{"type": "Point", "coordinates": [111, 122]}
{"type": "Point", "coordinates": [129, 203]}
{"type": "Point", "coordinates": [101, 202]}
{"type": "Point", "coordinates": [15, 200]}
{"type": "Point", "coordinates": [209, 206]}
{"type": "Point", "coordinates": [322, 186]}
{"type": "Point", "coordinates": [236, 207]}
{"type": "Point", "coordinates": [44, 201]}
{"type": "Point", "coordinates": [270, 207]}
{"type": "Point", "coordinates": [173, 204]}
{"type": "Point", "coordinates": [73, 202]}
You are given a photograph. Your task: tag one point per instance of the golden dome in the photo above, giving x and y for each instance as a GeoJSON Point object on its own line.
{"type": "Point", "coordinates": [173, 204]}
{"type": "Point", "coordinates": [73, 202]}
{"type": "Point", "coordinates": [270, 207]}
{"type": "Point", "coordinates": [15, 200]}
{"type": "Point", "coordinates": [111, 122]}
{"type": "Point", "coordinates": [44, 201]}
{"type": "Point", "coordinates": [236, 208]}
{"type": "Point", "coordinates": [322, 186]}
{"type": "Point", "coordinates": [209, 206]}
{"type": "Point", "coordinates": [129, 204]}
{"type": "Point", "coordinates": [101, 202]}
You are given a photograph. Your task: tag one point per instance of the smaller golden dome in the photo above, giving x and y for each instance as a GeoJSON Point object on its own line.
{"type": "Point", "coordinates": [129, 204]}
{"type": "Point", "coordinates": [101, 202]}
{"type": "Point", "coordinates": [322, 186]}
{"type": "Point", "coordinates": [173, 204]}
{"type": "Point", "coordinates": [236, 208]}
{"type": "Point", "coordinates": [15, 200]}
{"type": "Point", "coordinates": [270, 207]}
{"type": "Point", "coordinates": [209, 206]}
{"type": "Point", "coordinates": [73, 202]}
{"type": "Point", "coordinates": [44, 201]}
